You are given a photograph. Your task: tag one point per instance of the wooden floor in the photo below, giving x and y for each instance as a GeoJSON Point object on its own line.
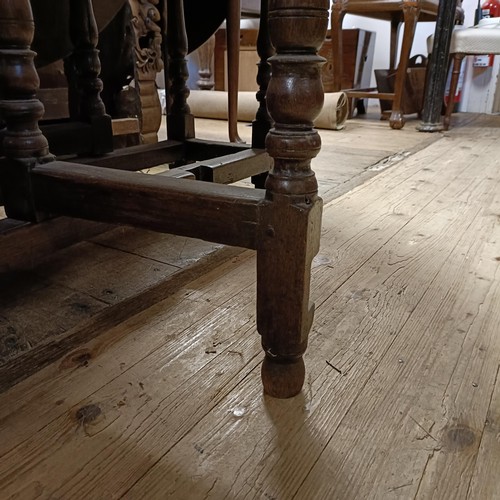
{"type": "Point", "coordinates": [402, 397]}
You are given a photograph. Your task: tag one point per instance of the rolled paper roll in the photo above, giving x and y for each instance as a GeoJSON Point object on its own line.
{"type": "Point", "coordinates": [213, 104]}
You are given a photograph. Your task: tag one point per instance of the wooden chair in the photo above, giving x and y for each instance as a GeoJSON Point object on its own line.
{"type": "Point", "coordinates": [484, 38]}
{"type": "Point", "coordinates": [396, 11]}
{"type": "Point", "coordinates": [282, 222]}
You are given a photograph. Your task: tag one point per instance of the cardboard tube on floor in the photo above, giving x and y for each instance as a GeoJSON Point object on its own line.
{"type": "Point", "coordinates": [213, 104]}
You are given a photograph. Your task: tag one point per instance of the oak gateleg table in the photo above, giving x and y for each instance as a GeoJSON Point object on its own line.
{"type": "Point", "coordinates": [281, 221]}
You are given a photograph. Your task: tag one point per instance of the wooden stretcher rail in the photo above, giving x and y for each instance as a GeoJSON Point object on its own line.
{"type": "Point", "coordinates": [229, 168]}
{"type": "Point", "coordinates": [222, 214]}
{"type": "Point", "coordinates": [375, 95]}
{"type": "Point", "coordinates": [139, 157]}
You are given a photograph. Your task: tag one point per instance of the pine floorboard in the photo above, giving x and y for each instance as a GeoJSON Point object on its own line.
{"type": "Point", "coordinates": [401, 400]}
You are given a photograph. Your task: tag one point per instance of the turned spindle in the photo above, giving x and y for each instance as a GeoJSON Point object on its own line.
{"type": "Point", "coordinates": [290, 224]}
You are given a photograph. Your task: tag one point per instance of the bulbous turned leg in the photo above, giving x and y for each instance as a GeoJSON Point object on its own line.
{"type": "Point", "coordinates": [290, 220]}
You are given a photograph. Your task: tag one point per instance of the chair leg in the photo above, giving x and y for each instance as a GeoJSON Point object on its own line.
{"type": "Point", "coordinates": [410, 19]}
{"type": "Point", "coordinates": [337, 17]}
{"type": "Point", "coordinates": [233, 63]}
{"type": "Point", "coordinates": [395, 26]}
{"type": "Point", "coordinates": [289, 225]}
{"type": "Point", "coordinates": [457, 63]}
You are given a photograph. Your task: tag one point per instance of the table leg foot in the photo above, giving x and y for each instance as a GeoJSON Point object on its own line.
{"type": "Point", "coordinates": [282, 377]}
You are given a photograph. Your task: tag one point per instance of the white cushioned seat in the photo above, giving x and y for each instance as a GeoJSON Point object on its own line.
{"type": "Point", "coordinates": [484, 38]}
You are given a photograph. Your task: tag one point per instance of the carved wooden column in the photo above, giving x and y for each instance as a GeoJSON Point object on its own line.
{"type": "Point", "coordinates": [180, 121]}
{"type": "Point", "coordinates": [290, 223]}
{"type": "Point", "coordinates": [148, 63]}
{"type": "Point", "coordinates": [23, 144]}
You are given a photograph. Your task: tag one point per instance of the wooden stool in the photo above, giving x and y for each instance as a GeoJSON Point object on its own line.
{"type": "Point", "coordinates": [397, 12]}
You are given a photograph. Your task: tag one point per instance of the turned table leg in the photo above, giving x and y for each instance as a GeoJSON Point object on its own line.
{"type": "Point", "coordinates": [290, 223]}
{"type": "Point", "coordinates": [180, 121]}
{"type": "Point", "coordinates": [23, 144]}
{"type": "Point", "coordinates": [82, 69]}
